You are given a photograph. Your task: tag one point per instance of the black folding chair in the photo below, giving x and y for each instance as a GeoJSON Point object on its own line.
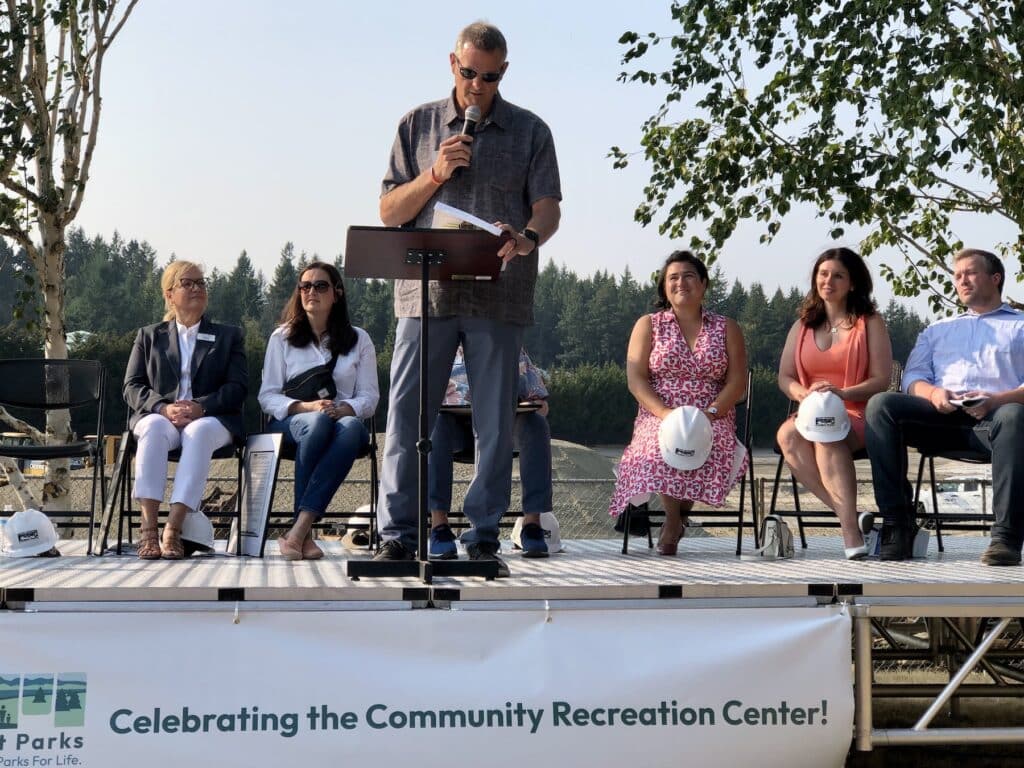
{"type": "Point", "coordinates": [34, 387]}
{"type": "Point", "coordinates": [713, 518]}
{"type": "Point", "coordinates": [960, 521]}
{"type": "Point", "coordinates": [331, 520]}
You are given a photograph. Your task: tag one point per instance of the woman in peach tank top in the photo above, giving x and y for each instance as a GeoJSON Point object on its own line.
{"type": "Point", "coordinates": [839, 345]}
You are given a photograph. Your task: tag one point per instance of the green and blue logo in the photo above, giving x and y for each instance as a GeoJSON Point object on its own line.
{"type": "Point", "coordinates": [30, 697]}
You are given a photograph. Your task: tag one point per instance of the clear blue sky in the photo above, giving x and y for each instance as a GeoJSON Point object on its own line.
{"type": "Point", "coordinates": [243, 124]}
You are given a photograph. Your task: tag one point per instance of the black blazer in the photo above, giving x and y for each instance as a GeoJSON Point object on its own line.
{"type": "Point", "coordinates": [220, 376]}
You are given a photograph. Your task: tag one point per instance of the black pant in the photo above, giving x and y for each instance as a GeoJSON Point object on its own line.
{"type": "Point", "coordinates": [895, 420]}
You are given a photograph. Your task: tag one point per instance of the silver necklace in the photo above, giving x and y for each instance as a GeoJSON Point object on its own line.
{"type": "Point", "coordinates": [834, 329]}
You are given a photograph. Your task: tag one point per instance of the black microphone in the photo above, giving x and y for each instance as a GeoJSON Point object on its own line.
{"type": "Point", "coordinates": [469, 127]}
{"type": "Point", "coordinates": [472, 118]}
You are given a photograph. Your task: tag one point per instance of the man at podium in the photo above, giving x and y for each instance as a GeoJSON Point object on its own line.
{"type": "Point", "coordinates": [501, 168]}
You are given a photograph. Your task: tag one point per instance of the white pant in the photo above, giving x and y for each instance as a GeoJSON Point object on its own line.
{"type": "Point", "coordinates": [157, 437]}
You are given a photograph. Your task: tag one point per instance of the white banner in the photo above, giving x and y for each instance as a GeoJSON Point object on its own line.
{"type": "Point", "coordinates": [629, 687]}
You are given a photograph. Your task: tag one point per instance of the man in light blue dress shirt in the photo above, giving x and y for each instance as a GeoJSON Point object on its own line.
{"type": "Point", "coordinates": [964, 384]}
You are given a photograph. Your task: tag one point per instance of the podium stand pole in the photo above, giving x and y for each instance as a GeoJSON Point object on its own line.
{"type": "Point", "coordinates": [423, 567]}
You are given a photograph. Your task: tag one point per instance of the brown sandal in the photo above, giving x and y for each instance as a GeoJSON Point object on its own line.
{"type": "Point", "coordinates": [310, 551]}
{"type": "Point", "coordinates": [171, 546]}
{"type": "Point", "coordinates": [148, 547]}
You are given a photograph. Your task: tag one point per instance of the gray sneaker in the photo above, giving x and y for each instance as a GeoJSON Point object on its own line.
{"type": "Point", "coordinates": [1000, 553]}
{"type": "Point", "coordinates": [393, 549]}
{"type": "Point", "coordinates": [484, 552]}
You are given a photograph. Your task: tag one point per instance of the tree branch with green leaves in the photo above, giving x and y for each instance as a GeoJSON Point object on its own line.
{"type": "Point", "coordinates": [889, 114]}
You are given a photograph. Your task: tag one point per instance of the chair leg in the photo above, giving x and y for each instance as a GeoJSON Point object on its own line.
{"type": "Point", "coordinates": [120, 512]}
{"type": "Point", "coordinates": [96, 464]}
{"type": "Point", "coordinates": [754, 508]}
{"type": "Point", "coordinates": [238, 505]}
{"type": "Point", "coordinates": [625, 530]}
{"type": "Point", "coordinates": [799, 512]}
{"type": "Point", "coordinates": [935, 504]}
{"type": "Point", "coordinates": [739, 521]}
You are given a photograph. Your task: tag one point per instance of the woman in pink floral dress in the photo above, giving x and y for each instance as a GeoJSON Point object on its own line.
{"type": "Point", "coordinates": [682, 355]}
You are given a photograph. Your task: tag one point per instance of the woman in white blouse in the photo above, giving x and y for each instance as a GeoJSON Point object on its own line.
{"type": "Point", "coordinates": [328, 434]}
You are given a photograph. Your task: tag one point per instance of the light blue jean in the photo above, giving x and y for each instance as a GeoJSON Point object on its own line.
{"type": "Point", "coordinates": [491, 349]}
{"type": "Point", "coordinates": [325, 450]}
{"type": "Point", "coordinates": [532, 438]}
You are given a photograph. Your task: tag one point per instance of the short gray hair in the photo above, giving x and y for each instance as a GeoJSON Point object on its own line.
{"type": "Point", "coordinates": [482, 36]}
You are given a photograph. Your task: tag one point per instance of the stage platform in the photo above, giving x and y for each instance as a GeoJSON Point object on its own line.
{"type": "Point", "coordinates": [705, 569]}
{"type": "Point", "coordinates": [943, 591]}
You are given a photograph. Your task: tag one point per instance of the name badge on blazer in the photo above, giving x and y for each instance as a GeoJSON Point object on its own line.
{"type": "Point", "coordinates": [206, 337]}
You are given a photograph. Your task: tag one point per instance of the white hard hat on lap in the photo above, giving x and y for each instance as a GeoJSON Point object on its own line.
{"type": "Point", "coordinates": [822, 418]}
{"type": "Point", "coordinates": [685, 438]}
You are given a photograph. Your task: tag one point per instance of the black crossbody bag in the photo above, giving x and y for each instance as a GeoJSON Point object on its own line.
{"type": "Point", "coordinates": [317, 383]}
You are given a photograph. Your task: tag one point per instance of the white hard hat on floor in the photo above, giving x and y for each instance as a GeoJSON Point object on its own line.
{"type": "Point", "coordinates": [685, 438]}
{"type": "Point", "coordinates": [196, 533]}
{"type": "Point", "coordinates": [29, 533]}
{"type": "Point", "coordinates": [822, 418]}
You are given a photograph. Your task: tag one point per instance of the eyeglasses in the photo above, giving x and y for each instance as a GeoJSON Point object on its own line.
{"type": "Point", "coordinates": [472, 74]}
{"type": "Point", "coordinates": [320, 286]}
{"type": "Point", "coordinates": [187, 283]}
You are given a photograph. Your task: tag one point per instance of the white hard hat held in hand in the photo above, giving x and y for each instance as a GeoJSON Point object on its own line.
{"type": "Point", "coordinates": [822, 418]}
{"type": "Point", "coordinates": [685, 438]}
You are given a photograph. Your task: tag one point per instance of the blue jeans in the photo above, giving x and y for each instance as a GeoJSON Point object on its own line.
{"type": "Point", "coordinates": [325, 450]}
{"type": "Point", "coordinates": [531, 437]}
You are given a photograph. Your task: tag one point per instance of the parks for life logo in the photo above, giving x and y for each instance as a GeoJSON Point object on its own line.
{"type": "Point", "coordinates": [27, 699]}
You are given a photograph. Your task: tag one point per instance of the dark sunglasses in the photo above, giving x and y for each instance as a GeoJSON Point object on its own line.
{"type": "Point", "coordinates": [320, 286]}
{"type": "Point", "coordinates": [188, 283]}
{"type": "Point", "coordinates": [472, 74]}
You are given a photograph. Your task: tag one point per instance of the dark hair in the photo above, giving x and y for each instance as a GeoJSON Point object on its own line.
{"type": "Point", "coordinates": [859, 302]}
{"type": "Point", "coordinates": [993, 264]}
{"type": "Point", "coordinates": [673, 258]}
{"type": "Point", "coordinates": [339, 327]}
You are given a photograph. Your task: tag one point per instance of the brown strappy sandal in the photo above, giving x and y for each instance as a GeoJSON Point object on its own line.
{"type": "Point", "coordinates": [171, 546]}
{"type": "Point", "coordinates": [148, 547]}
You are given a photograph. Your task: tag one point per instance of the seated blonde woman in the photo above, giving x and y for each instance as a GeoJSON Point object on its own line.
{"type": "Point", "coordinates": [185, 385]}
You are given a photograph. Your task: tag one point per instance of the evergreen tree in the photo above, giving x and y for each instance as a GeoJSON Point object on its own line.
{"type": "Point", "coordinates": [734, 304]}
{"type": "Point", "coordinates": [715, 297]}
{"type": "Point", "coordinates": [607, 331]}
{"type": "Point", "coordinates": [904, 328]}
{"type": "Point", "coordinates": [238, 295]}
{"type": "Point", "coordinates": [541, 339]}
{"type": "Point", "coordinates": [573, 330]}
{"type": "Point", "coordinates": [754, 322]}
{"type": "Point", "coordinates": [280, 290]}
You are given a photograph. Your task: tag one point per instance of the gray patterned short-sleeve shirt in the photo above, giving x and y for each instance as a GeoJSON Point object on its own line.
{"type": "Point", "coordinates": [514, 166]}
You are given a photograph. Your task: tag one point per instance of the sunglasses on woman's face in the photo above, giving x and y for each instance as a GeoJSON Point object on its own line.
{"type": "Point", "coordinates": [320, 286]}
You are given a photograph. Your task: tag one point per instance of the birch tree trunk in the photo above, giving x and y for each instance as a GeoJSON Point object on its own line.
{"type": "Point", "coordinates": [51, 62]}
